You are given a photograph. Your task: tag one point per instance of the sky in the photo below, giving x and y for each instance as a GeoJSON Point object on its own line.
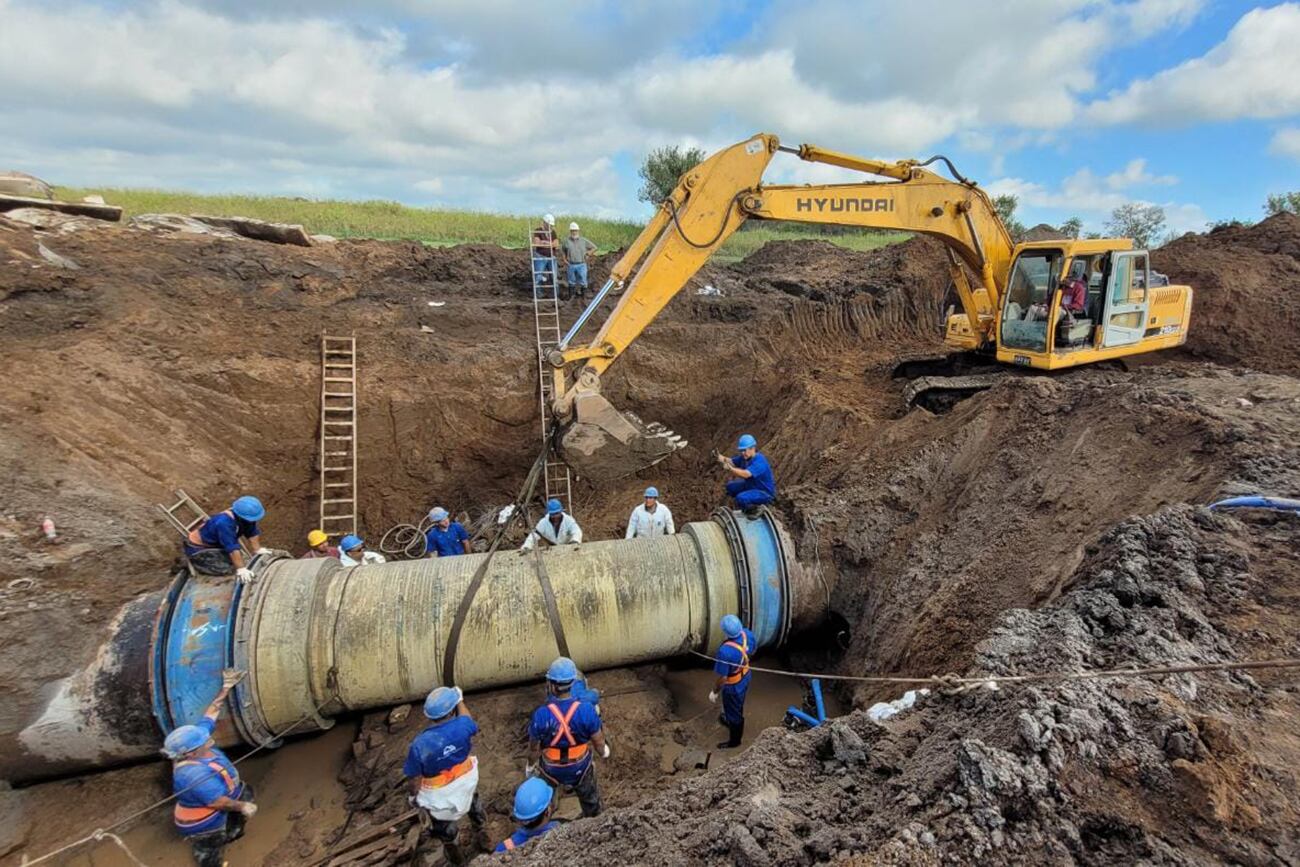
{"type": "Point", "coordinates": [1075, 106]}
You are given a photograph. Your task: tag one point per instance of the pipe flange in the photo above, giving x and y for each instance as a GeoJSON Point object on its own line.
{"type": "Point", "coordinates": [744, 580]}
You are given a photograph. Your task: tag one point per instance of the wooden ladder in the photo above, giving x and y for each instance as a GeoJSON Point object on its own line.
{"type": "Point", "coordinates": [185, 515]}
{"type": "Point", "coordinates": [546, 319]}
{"type": "Point", "coordinates": [338, 435]}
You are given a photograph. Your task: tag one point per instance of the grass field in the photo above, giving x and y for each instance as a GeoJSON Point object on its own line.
{"type": "Point", "coordinates": [388, 220]}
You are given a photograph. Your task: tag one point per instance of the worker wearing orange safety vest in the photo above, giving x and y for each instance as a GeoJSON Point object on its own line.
{"type": "Point", "coordinates": [444, 771]}
{"type": "Point", "coordinates": [563, 732]}
{"type": "Point", "coordinates": [732, 669]}
{"type": "Point", "coordinates": [211, 801]}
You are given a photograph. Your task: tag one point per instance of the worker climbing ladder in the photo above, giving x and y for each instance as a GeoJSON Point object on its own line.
{"type": "Point", "coordinates": [338, 435]}
{"type": "Point", "coordinates": [546, 318]}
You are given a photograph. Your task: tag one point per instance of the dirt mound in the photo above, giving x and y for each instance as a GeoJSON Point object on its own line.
{"type": "Point", "coordinates": [1174, 770]}
{"type": "Point", "coordinates": [1247, 281]}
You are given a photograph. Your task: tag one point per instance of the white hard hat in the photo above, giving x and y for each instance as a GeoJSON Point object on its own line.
{"type": "Point", "coordinates": [549, 219]}
{"type": "Point", "coordinates": [573, 227]}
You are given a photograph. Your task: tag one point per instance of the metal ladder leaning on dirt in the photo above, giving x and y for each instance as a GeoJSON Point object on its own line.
{"type": "Point", "coordinates": [546, 319]}
{"type": "Point", "coordinates": [338, 435]}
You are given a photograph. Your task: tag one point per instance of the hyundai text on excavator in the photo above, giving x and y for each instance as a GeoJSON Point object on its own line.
{"type": "Point", "coordinates": [1011, 306]}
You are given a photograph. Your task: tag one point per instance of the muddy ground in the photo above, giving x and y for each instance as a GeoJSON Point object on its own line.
{"type": "Point", "coordinates": [1049, 522]}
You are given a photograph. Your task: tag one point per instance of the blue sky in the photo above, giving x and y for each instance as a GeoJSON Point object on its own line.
{"type": "Point", "coordinates": [1076, 106]}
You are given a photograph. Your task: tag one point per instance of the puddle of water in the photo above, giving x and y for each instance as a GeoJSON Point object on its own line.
{"type": "Point", "coordinates": [300, 777]}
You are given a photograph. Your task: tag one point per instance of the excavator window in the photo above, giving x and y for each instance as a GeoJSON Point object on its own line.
{"type": "Point", "coordinates": [1028, 300]}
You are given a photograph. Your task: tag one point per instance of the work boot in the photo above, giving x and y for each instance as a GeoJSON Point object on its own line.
{"type": "Point", "coordinates": [452, 852]}
{"type": "Point", "coordinates": [736, 732]}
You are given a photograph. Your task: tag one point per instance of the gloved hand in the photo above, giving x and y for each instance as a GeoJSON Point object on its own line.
{"type": "Point", "coordinates": [269, 552]}
{"type": "Point", "coordinates": [604, 754]}
{"type": "Point", "coordinates": [245, 575]}
{"type": "Point", "coordinates": [530, 770]}
{"type": "Point", "coordinates": [231, 676]}
{"type": "Point", "coordinates": [248, 808]}
{"type": "Point", "coordinates": [713, 698]}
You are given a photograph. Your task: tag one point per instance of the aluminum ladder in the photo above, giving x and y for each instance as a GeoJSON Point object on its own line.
{"type": "Point", "coordinates": [546, 319]}
{"type": "Point", "coordinates": [186, 515]}
{"type": "Point", "coordinates": [338, 435]}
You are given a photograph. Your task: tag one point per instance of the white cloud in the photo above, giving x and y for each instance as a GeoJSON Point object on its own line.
{"type": "Point", "coordinates": [1286, 142]}
{"type": "Point", "coordinates": [429, 185]}
{"type": "Point", "coordinates": [1253, 73]}
{"type": "Point", "coordinates": [1135, 175]}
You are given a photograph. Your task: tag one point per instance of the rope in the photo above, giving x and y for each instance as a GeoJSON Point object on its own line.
{"type": "Point", "coordinates": [947, 680]}
{"type": "Point", "coordinates": [99, 834]}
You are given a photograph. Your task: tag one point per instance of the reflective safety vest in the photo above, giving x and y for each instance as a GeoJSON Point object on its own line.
{"type": "Point", "coordinates": [196, 539]}
{"type": "Point", "coordinates": [442, 778]}
{"type": "Point", "coordinates": [564, 749]}
{"type": "Point", "coordinates": [743, 668]}
{"type": "Point", "coordinates": [192, 817]}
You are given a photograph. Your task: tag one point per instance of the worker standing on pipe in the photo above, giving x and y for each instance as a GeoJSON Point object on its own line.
{"type": "Point", "coordinates": [212, 803]}
{"type": "Point", "coordinates": [557, 527]}
{"type": "Point", "coordinates": [534, 803]}
{"type": "Point", "coordinates": [446, 538]}
{"type": "Point", "coordinates": [213, 547]}
{"type": "Point", "coordinates": [652, 518]}
{"type": "Point", "coordinates": [319, 547]}
{"type": "Point", "coordinates": [562, 733]}
{"type": "Point", "coordinates": [733, 674]}
{"type": "Point", "coordinates": [444, 771]}
{"type": "Point", "coordinates": [753, 485]}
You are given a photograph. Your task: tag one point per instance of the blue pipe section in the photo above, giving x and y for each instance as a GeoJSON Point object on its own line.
{"type": "Point", "coordinates": [802, 717]}
{"type": "Point", "coordinates": [193, 642]}
{"type": "Point", "coordinates": [1277, 504]}
{"type": "Point", "coordinates": [817, 697]}
{"type": "Point", "coordinates": [765, 565]}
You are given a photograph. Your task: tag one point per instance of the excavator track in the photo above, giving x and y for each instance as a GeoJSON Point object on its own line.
{"type": "Point", "coordinates": [939, 394]}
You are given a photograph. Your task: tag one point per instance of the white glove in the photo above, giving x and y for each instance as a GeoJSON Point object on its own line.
{"type": "Point", "coordinates": [604, 754]}
{"type": "Point", "coordinates": [713, 698]}
{"type": "Point", "coordinates": [248, 808]}
{"type": "Point", "coordinates": [245, 575]}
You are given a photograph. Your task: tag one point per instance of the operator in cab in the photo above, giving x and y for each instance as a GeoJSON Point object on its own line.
{"type": "Point", "coordinates": [753, 484]}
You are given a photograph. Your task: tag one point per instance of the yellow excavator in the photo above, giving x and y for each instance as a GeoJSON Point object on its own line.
{"type": "Point", "coordinates": [1010, 294]}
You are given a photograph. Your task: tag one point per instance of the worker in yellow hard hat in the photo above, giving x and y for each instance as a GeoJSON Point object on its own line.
{"type": "Point", "coordinates": [319, 546]}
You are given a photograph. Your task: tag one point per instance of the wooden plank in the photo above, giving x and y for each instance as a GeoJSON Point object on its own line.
{"type": "Point", "coordinates": [111, 213]}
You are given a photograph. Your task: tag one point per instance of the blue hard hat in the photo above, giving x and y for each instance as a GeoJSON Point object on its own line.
{"type": "Point", "coordinates": [554, 507]}
{"type": "Point", "coordinates": [248, 508]}
{"type": "Point", "coordinates": [652, 491]}
{"type": "Point", "coordinates": [731, 626]}
{"type": "Point", "coordinates": [442, 701]}
{"type": "Point", "coordinates": [747, 441]}
{"type": "Point", "coordinates": [532, 799]}
{"type": "Point", "coordinates": [563, 670]}
{"type": "Point", "coordinates": [185, 739]}
{"type": "Point", "coordinates": [437, 514]}
{"type": "Point", "coordinates": [349, 542]}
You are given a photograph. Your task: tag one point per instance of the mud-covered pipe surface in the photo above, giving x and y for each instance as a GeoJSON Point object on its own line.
{"type": "Point", "coordinates": [318, 638]}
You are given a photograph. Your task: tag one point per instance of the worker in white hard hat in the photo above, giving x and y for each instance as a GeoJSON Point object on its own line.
{"type": "Point", "coordinates": [545, 248]}
{"type": "Point", "coordinates": [577, 250]}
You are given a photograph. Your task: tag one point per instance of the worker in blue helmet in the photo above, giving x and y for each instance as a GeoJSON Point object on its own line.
{"type": "Point", "coordinates": [563, 734]}
{"type": "Point", "coordinates": [212, 803]}
{"type": "Point", "coordinates": [352, 552]}
{"type": "Point", "coordinates": [212, 547]}
{"type": "Point", "coordinates": [732, 669]}
{"type": "Point", "coordinates": [534, 803]}
{"type": "Point", "coordinates": [443, 771]}
{"type": "Point", "coordinates": [753, 484]}
{"type": "Point", "coordinates": [445, 537]}
{"type": "Point", "coordinates": [651, 518]}
{"type": "Point", "coordinates": [557, 527]}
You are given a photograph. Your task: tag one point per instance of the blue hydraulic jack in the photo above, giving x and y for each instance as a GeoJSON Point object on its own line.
{"type": "Point", "coordinates": [795, 714]}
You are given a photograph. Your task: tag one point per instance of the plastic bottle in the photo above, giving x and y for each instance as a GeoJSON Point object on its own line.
{"type": "Point", "coordinates": [47, 527]}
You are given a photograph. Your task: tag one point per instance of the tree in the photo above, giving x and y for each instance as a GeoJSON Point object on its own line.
{"type": "Point", "coordinates": [1006, 206]}
{"type": "Point", "coordinates": [1280, 203]}
{"type": "Point", "coordinates": [1143, 223]}
{"type": "Point", "coordinates": [1072, 227]}
{"type": "Point", "coordinates": [663, 168]}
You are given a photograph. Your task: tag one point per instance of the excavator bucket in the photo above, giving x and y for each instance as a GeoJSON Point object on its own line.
{"type": "Point", "coordinates": [602, 443]}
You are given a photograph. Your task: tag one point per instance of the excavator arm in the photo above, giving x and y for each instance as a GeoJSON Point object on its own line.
{"type": "Point", "coordinates": [707, 206]}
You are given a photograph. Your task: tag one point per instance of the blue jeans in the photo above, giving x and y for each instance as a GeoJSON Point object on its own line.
{"type": "Point", "coordinates": [544, 276]}
{"type": "Point", "coordinates": [746, 495]}
{"type": "Point", "coordinates": [577, 276]}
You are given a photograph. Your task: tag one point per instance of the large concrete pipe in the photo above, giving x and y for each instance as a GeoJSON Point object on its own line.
{"type": "Point", "coordinates": [318, 639]}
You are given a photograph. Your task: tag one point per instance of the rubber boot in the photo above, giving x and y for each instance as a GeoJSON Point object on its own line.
{"type": "Point", "coordinates": [453, 853]}
{"type": "Point", "coordinates": [736, 732]}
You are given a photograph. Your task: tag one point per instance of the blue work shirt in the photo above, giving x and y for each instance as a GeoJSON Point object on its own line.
{"type": "Point", "coordinates": [731, 659]}
{"type": "Point", "coordinates": [760, 472]}
{"type": "Point", "coordinates": [440, 747]}
{"type": "Point", "coordinates": [523, 835]}
{"type": "Point", "coordinates": [583, 725]}
{"type": "Point", "coordinates": [222, 531]}
{"type": "Point", "coordinates": [446, 543]}
{"type": "Point", "coordinates": [197, 784]}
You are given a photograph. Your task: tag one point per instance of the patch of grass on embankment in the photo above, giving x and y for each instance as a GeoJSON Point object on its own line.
{"type": "Point", "coordinates": [390, 220]}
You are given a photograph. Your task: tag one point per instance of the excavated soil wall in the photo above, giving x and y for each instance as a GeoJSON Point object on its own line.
{"type": "Point", "coordinates": [1038, 524]}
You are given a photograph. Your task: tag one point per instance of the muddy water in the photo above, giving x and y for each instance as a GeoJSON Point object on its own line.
{"type": "Point", "coordinates": [301, 777]}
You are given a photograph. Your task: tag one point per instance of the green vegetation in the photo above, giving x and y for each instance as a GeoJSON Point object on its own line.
{"type": "Point", "coordinates": [390, 220]}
